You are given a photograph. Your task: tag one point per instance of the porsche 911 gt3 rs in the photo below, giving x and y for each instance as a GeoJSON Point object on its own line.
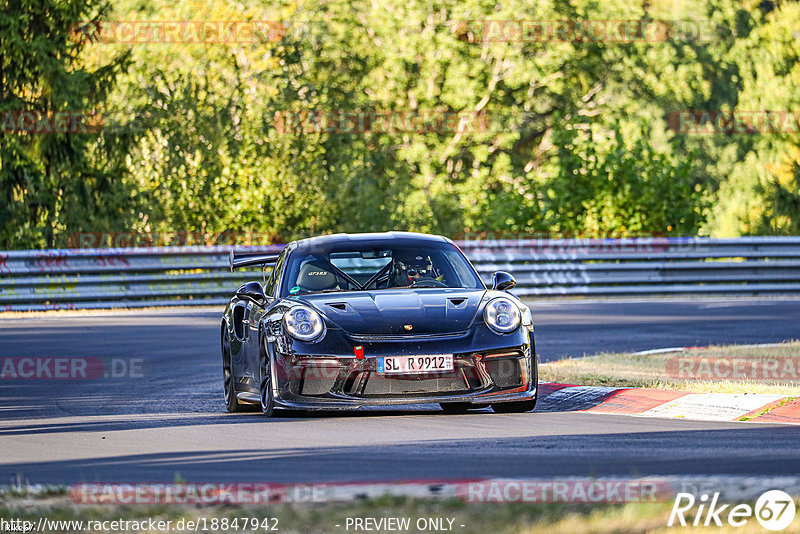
{"type": "Point", "coordinates": [348, 321]}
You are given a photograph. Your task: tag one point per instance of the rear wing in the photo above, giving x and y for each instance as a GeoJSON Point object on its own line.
{"type": "Point", "coordinates": [247, 259]}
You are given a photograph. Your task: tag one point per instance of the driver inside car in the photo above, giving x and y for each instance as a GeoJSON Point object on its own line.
{"type": "Point", "coordinates": [411, 269]}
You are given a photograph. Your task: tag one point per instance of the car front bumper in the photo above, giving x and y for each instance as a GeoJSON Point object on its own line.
{"type": "Point", "coordinates": [304, 380]}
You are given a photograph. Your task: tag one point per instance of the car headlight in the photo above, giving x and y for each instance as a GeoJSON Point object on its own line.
{"type": "Point", "coordinates": [303, 323]}
{"type": "Point", "coordinates": [502, 315]}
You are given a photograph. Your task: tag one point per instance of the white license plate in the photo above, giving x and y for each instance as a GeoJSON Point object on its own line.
{"type": "Point", "coordinates": [422, 363]}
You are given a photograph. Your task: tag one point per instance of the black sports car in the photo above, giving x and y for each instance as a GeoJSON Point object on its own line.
{"type": "Point", "coordinates": [346, 321]}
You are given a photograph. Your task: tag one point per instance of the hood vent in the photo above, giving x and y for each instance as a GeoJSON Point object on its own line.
{"type": "Point", "coordinates": [457, 302]}
{"type": "Point", "coordinates": [341, 306]}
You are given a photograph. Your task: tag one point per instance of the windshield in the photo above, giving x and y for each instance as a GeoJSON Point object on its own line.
{"type": "Point", "coordinates": [357, 268]}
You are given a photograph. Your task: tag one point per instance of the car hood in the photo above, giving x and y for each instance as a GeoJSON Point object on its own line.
{"type": "Point", "coordinates": [392, 311]}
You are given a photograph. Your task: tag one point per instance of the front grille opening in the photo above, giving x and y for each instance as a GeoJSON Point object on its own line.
{"type": "Point", "coordinates": [471, 377]}
{"type": "Point", "coordinates": [505, 372]}
{"type": "Point", "coordinates": [352, 382]}
{"type": "Point", "coordinates": [314, 379]}
{"type": "Point", "coordinates": [380, 385]}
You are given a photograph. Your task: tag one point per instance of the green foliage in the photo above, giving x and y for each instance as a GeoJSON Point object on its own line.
{"type": "Point", "coordinates": [51, 184]}
{"type": "Point", "coordinates": [575, 139]}
{"type": "Point", "coordinates": [608, 186]}
{"type": "Point", "coordinates": [753, 196]}
{"type": "Point", "coordinates": [782, 215]}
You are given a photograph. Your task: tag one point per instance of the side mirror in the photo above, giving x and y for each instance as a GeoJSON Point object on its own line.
{"type": "Point", "coordinates": [503, 281]}
{"type": "Point", "coordinates": [252, 291]}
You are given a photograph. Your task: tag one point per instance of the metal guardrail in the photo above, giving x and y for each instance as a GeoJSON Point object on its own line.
{"type": "Point", "coordinates": [163, 276]}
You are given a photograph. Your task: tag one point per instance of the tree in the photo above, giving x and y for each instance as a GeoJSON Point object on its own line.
{"type": "Point", "coordinates": [573, 133]}
{"type": "Point", "coordinates": [54, 182]}
{"type": "Point", "coordinates": [605, 185]}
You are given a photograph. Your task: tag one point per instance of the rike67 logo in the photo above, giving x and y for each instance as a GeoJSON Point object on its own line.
{"type": "Point", "coordinates": [774, 510]}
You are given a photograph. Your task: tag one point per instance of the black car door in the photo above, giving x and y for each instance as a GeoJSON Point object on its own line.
{"type": "Point", "coordinates": [255, 313]}
{"type": "Point", "coordinates": [240, 317]}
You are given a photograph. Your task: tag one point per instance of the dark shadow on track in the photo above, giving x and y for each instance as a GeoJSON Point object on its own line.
{"type": "Point", "coordinates": [749, 451]}
{"type": "Point", "coordinates": [123, 422]}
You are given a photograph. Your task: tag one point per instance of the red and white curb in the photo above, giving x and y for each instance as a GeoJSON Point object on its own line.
{"type": "Point", "coordinates": [671, 404]}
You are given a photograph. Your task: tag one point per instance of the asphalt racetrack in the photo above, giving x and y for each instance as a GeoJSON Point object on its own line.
{"type": "Point", "coordinates": [168, 420]}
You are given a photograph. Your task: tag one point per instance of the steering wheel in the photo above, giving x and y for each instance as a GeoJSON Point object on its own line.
{"type": "Point", "coordinates": [435, 282]}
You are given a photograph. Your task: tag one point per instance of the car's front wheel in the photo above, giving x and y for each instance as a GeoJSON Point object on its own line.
{"type": "Point", "coordinates": [231, 401]}
{"type": "Point", "coordinates": [265, 384]}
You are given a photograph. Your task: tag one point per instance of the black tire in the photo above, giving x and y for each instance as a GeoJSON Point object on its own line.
{"type": "Point", "coordinates": [228, 379]}
{"type": "Point", "coordinates": [456, 407]}
{"type": "Point", "coordinates": [265, 382]}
